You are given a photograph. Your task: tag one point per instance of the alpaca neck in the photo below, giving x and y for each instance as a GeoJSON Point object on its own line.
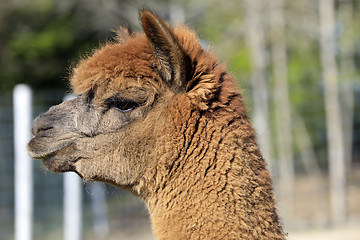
{"type": "Point", "coordinates": [191, 213]}
{"type": "Point", "coordinates": [215, 184]}
{"type": "Point", "coordinates": [221, 192]}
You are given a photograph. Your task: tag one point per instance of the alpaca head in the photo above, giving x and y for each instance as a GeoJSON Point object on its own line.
{"type": "Point", "coordinates": [126, 91]}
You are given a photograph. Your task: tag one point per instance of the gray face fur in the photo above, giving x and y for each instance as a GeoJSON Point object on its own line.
{"type": "Point", "coordinates": [109, 140]}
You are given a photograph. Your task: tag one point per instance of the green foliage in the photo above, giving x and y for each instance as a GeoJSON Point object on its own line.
{"type": "Point", "coordinates": [33, 46]}
{"type": "Point", "coordinates": [37, 46]}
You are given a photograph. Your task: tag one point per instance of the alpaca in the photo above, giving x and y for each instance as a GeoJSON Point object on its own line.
{"type": "Point", "coordinates": [157, 115]}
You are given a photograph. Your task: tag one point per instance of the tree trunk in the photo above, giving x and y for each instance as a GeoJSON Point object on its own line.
{"type": "Point", "coordinates": [282, 105]}
{"type": "Point", "coordinates": [348, 73]}
{"type": "Point", "coordinates": [256, 42]}
{"type": "Point", "coordinates": [333, 113]}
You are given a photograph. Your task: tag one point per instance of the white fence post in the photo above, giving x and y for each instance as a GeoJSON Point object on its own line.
{"type": "Point", "coordinates": [99, 208]}
{"type": "Point", "coordinates": [72, 202]}
{"type": "Point", "coordinates": [72, 207]}
{"type": "Point", "coordinates": [22, 105]}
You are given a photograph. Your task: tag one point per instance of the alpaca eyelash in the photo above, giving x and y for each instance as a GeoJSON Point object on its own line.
{"type": "Point", "coordinates": [122, 105]}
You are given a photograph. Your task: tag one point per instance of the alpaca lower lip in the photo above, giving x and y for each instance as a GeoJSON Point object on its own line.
{"type": "Point", "coordinates": [44, 147]}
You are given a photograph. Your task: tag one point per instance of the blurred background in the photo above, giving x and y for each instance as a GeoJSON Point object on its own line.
{"type": "Point", "coordinates": [297, 64]}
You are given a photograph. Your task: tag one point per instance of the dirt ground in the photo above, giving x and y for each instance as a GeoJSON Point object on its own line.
{"type": "Point", "coordinates": [345, 232]}
{"type": "Point", "coordinates": [311, 214]}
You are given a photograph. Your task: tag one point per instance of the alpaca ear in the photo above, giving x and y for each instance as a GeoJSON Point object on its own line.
{"type": "Point", "coordinates": [173, 61]}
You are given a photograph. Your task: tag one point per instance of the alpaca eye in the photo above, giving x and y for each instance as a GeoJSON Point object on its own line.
{"type": "Point", "coordinates": [125, 105]}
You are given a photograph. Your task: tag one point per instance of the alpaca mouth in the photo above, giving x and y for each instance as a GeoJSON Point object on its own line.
{"type": "Point", "coordinates": [44, 147]}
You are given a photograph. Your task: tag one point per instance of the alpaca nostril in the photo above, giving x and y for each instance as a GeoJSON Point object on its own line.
{"type": "Point", "coordinates": [41, 130]}
{"type": "Point", "coordinates": [42, 124]}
